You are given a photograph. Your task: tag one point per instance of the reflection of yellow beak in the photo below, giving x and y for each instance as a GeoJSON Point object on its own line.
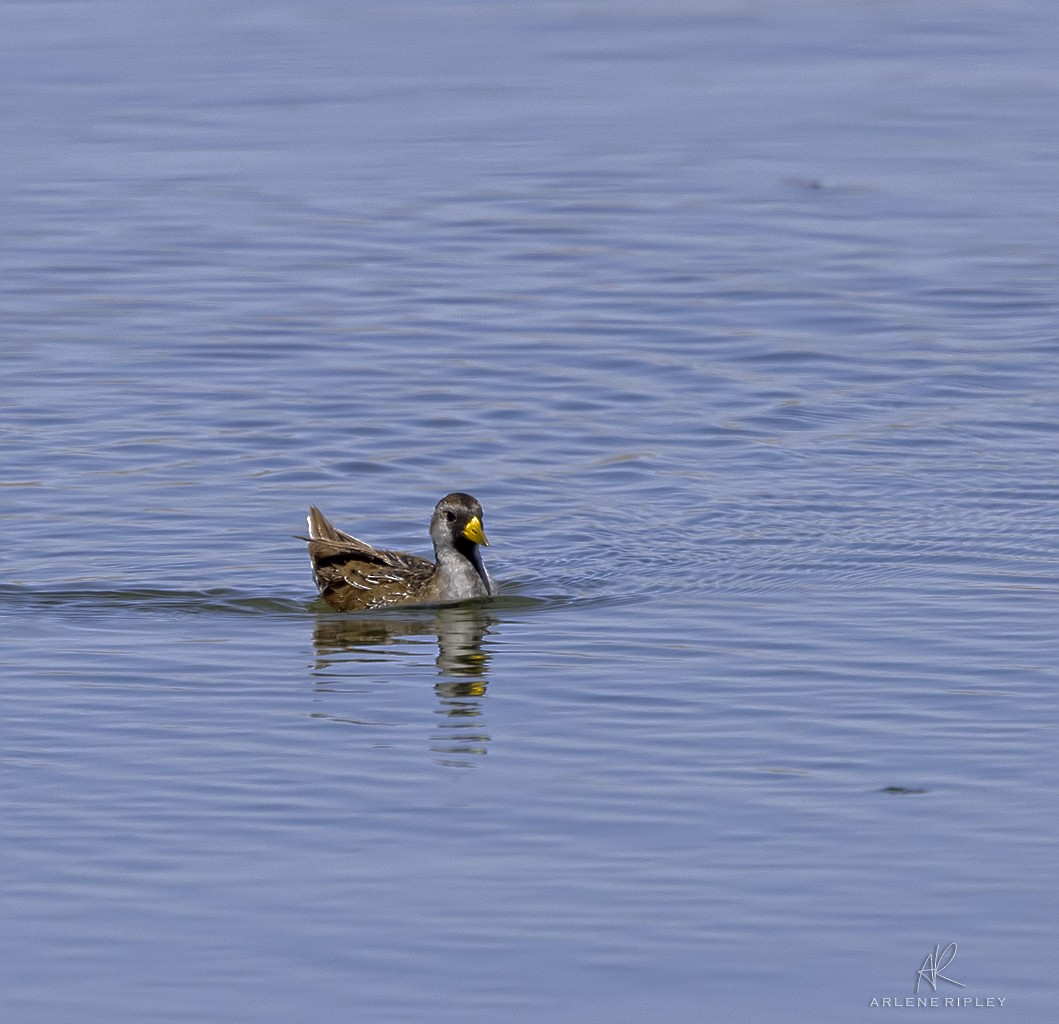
{"type": "Point", "coordinates": [473, 531]}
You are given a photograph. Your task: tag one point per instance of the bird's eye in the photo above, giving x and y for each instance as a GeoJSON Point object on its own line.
{"type": "Point", "coordinates": [450, 516]}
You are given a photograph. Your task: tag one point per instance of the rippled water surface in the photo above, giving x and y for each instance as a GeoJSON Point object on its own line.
{"type": "Point", "coordinates": [740, 320]}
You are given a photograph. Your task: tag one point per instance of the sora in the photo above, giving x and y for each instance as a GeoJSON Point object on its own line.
{"type": "Point", "coordinates": [353, 576]}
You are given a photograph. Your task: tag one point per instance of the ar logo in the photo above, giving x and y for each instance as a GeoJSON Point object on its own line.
{"type": "Point", "coordinates": [934, 964]}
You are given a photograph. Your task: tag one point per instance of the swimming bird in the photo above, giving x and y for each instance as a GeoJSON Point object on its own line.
{"type": "Point", "coordinates": [353, 576]}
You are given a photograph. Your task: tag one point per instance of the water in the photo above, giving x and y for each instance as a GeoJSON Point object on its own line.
{"type": "Point", "coordinates": [740, 321]}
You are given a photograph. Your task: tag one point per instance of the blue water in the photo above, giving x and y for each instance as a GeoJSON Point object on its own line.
{"type": "Point", "coordinates": [741, 322]}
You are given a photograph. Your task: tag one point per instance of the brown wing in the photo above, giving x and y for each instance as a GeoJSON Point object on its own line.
{"type": "Point", "coordinates": [352, 575]}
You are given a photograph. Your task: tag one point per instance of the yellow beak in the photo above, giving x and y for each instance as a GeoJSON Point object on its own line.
{"type": "Point", "coordinates": [473, 531]}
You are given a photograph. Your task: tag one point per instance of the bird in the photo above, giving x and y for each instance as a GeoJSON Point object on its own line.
{"type": "Point", "coordinates": [354, 576]}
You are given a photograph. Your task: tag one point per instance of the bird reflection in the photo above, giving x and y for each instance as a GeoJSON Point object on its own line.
{"type": "Point", "coordinates": [462, 665]}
